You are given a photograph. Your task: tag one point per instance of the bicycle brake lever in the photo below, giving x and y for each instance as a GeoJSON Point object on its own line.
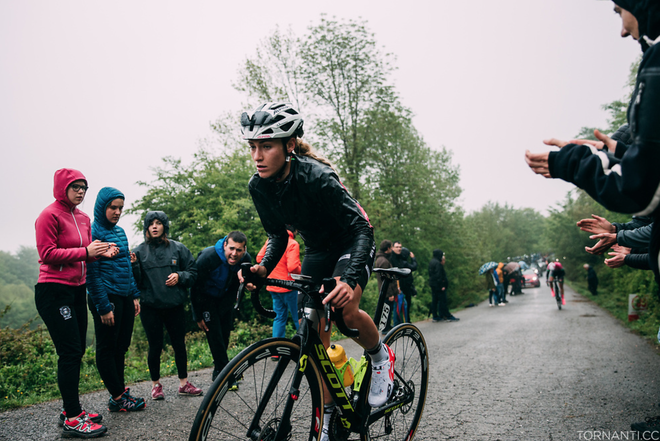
{"type": "Point", "coordinates": [328, 311]}
{"type": "Point", "coordinates": [328, 285]}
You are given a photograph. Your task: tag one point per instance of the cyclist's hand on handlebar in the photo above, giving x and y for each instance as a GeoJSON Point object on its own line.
{"type": "Point", "coordinates": [257, 270]}
{"type": "Point", "coordinates": [340, 296]}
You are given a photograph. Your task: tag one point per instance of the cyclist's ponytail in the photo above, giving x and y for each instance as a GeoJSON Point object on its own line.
{"type": "Point", "coordinates": [304, 149]}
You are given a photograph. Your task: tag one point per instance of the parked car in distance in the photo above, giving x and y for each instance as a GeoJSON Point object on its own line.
{"type": "Point", "coordinates": [530, 278]}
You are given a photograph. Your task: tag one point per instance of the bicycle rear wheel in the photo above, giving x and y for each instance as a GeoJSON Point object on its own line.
{"type": "Point", "coordinates": [558, 295]}
{"type": "Point", "coordinates": [263, 391]}
{"type": "Point", "coordinates": [411, 375]}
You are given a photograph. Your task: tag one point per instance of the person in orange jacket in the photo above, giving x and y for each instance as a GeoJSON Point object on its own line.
{"type": "Point", "coordinates": [283, 300]}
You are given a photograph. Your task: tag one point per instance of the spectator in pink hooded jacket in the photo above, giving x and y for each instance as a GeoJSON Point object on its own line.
{"type": "Point", "coordinates": [64, 243]}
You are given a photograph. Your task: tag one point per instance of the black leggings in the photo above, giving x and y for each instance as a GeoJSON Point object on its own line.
{"type": "Point", "coordinates": [112, 342]}
{"type": "Point", "coordinates": [63, 309]}
{"type": "Point", "coordinates": [174, 320]}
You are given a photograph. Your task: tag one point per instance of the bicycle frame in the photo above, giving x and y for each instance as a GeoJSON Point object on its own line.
{"type": "Point", "coordinates": [356, 414]}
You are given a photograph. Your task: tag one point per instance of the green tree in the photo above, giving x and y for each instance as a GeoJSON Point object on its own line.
{"type": "Point", "coordinates": [204, 200]}
{"type": "Point", "coordinates": [347, 77]}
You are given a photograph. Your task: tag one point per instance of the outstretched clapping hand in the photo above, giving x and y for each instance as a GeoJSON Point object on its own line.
{"type": "Point", "coordinates": [597, 225]}
{"type": "Point", "coordinates": [538, 162]}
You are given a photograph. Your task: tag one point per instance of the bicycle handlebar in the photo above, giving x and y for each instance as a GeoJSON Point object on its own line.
{"type": "Point", "coordinates": [306, 287]}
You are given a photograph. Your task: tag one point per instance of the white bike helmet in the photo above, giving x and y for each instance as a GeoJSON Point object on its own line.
{"type": "Point", "coordinates": [272, 120]}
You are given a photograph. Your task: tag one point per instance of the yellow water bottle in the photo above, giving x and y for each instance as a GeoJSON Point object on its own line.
{"type": "Point", "coordinates": [338, 357]}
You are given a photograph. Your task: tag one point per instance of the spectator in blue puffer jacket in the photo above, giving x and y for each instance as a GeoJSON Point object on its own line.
{"type": "Point", "coordinates": [113, 301]}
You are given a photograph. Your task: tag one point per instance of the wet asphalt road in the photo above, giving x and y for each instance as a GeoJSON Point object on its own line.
{"type": "Point", "coordinates": [525, 371]}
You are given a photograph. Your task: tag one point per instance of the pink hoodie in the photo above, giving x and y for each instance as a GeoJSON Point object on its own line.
{"type": "Point", "coordinates": [63, 233]}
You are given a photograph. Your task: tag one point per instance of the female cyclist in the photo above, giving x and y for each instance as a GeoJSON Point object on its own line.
{"type": "Point", "coordinates": [295, 187]}
{"type": "Point", "coordinates": [164, 269]}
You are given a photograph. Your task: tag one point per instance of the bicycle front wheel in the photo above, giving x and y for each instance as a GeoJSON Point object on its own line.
{"type": "Point", "coordinates": [558, 296]}
{"type": "Point", "coordinates": [411, 376]}
{"type": "Point", "coordinates": [255, 410]}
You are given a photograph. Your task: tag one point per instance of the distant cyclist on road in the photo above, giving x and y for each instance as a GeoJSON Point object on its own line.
{"type": "Point", "coordinates": [295, 187]}
{"type": "Point", "coordinates": [558, 274]}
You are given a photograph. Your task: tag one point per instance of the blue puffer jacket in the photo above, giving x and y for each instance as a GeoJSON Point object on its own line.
{"type": "Point", "coordinates": [109, 276]}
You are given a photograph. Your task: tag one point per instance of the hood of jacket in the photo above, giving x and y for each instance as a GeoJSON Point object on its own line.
{"type": "Point", "coordinates": [62, 179]}
{"type": "Point", "coordinates": [438, 254]}
{"type": "Point", "coordinates": [103, 199]}
{"type": "Point", "coordinates": [647, 13]}
{"type": "Point", "coordinates": [153, 215]}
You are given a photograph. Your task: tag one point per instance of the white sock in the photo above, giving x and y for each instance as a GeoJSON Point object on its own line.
{"type": "Point", "coordinates": [379, 354]}
{"type": "Point", "coordinates": [327, 413]}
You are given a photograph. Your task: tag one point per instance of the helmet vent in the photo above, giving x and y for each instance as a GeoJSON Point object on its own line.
{"type": "Point", "coordinates": [287, 126]}
{"type": "Point", "coordinates": [267, 132]}
{"type": "Point", "coordinates": [291, 112]}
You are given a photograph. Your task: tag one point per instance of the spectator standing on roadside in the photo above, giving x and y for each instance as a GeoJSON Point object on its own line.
{"type": "Point", "coordinates": [64, 244]}
{"type": "Point", "coordinates": [399, 259]}
{"type": "Point", "coordinates": [213, 293]}
{"type": "Point", "coordinates": [492, 284]}
{"type": "Point", "coordinates": [439, 284]}
{"type": "Point", "coordinates": [164, 269]}
{"type": "Point", "coordinates": [383, 261]}
{"type": "Point", "coordinates": [592, 279]}
{"type": "Point", "coordinates": [113, 301]}
{"type": "Point", "coordinates": [284, 301]}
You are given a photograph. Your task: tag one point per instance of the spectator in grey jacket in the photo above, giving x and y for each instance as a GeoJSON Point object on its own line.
{"type": "Point", "coordinates": [164, 270]}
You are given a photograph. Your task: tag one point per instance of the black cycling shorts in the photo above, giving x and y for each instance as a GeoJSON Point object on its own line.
{"type": "Point", "coordinates": [324, 264]}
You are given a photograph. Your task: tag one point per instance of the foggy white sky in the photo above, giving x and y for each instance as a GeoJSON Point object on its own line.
{"type": "Point", "coordinates": [110, 88]}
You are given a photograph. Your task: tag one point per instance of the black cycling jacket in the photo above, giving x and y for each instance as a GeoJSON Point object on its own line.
{"type": "Point", "coordinates": [312, 200]}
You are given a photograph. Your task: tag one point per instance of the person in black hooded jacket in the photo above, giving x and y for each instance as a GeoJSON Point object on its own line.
{"type": "Point", "coordinates": [631, 185]}
{"type": "Point", "coordinates": [164, 270]}
{"type": "Point", "coordinates": [439, 283]}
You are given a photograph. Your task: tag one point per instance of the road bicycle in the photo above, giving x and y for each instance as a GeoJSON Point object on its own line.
{"type": "Point", "coordinates": [554, 287]}
{"type": "Point", "coordinates": [280, 394]}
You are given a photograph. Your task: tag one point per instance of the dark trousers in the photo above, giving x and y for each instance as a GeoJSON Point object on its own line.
{"type": "Point", "coordinates": [439, 308]}
{"type": "Point", "coordinates": [218, 317]}
{"type": "Point", "coordinates": [112, 342]}
{"type": "Point", "coordinates": [593, 288]}
{"type": "Point", "coordinates": [174, 320]}
{"type": "Point", "coordinates": [63, 309]}
{"type": "Point", "coordinates": [408, 295]}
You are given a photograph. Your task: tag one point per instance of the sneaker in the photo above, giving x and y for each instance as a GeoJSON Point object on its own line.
{"type": "Point", "coordinates": [452, 319]}
{"type": "Point", "coordinates": [126, 403]}
{"type": "Point", "coordinates": [215, 374]}
{"type": "Point", "coordinates": [382, 380]}
{"type": "Point", "coordinates": [436, 319]}
{"type": "Point", "coordinates": [189, 390]}
{"type": "Point", "coordinates": [82, 427]}
{"type": "Point", "coordinates": [647, 428]}
{"type": "Point", "coordinates": [491, 305]}
{"type": "Point", "coordinates": [501, 304]}
{"type": "Point", "coordinates": [157, 392]}
{"type": "Point", "coordinates": [94, 417]}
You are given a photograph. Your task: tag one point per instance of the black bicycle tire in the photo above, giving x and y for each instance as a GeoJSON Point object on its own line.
{"type": "Point", "coordinates": [394, 339]}
{"type": "Point", "coordinates": [241, 365]}
{"type": "Point", "coordinates": [557, 295]}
